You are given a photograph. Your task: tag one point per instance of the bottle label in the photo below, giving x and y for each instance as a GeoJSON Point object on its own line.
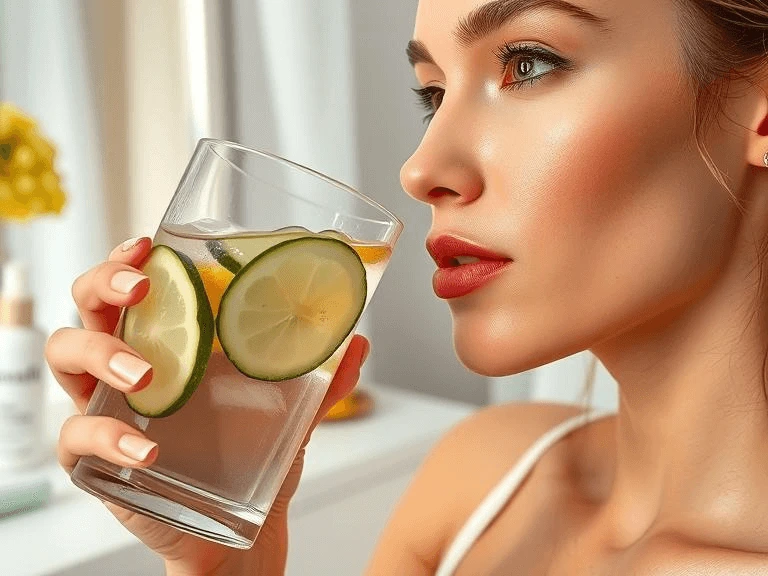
{"type": "Point", "coordinates": [31, 376]}
{"type": "Point", "coordinates": [21, 401]}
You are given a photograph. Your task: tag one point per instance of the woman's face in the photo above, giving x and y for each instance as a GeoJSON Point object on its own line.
{"type": "Point", "coordinates": [565, 142]}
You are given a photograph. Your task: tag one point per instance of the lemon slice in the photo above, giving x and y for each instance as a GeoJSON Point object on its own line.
{"type": "Point", "coordinates": [289, 309]}
{"type": "Point", "coordinates": [215, 280]}
{"type": "Point", "coordinates": [172, 328]}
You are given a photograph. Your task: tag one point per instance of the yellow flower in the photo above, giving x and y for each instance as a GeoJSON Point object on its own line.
{"type": "Point", "coordinates": [29, 185]}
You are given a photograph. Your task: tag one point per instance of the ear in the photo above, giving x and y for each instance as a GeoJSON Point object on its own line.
{"type": "Point", "coordinates": [757, 138]}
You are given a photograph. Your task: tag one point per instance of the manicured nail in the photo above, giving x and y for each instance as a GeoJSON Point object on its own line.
{"type": "Point", "coordinates": [130, 243]}
{"type": "Point", "coordinates": [364, 357]}
{"type": "Point", "coordinates": [125, 281]}
{"type": "Point", "coordinates": [135, 447]}
{"type": "Point", "coordinates": [128, 368]}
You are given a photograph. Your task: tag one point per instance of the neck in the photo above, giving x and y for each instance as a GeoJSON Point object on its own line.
{"type": "Point", "coordinates": [692, 426]}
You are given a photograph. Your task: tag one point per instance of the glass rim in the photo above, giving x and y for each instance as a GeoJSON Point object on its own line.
{"type": "Point", "coordinates": [212, 142]}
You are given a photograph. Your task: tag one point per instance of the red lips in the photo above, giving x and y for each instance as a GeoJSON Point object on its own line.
{"type": "Point", "coordinates": [454, 279]}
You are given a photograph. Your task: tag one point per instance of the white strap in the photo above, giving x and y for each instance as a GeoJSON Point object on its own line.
{"type": "Point", "coordinates": [494, 502]}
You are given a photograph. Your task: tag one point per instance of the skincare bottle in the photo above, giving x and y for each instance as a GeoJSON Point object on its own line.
{"type": "Point", "coordinates": [21, 373]}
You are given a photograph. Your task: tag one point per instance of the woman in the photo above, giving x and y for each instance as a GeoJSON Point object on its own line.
{"type": "Point", "coordinates": [611, 155]}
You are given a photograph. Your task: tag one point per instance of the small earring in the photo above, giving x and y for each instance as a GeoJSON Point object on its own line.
{"type": "Point", "coordinates": [765, 159]}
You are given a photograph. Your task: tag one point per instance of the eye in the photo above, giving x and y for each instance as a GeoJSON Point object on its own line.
{"type": "Point", "coordinates": [524, 64]}
{"type": "Point", "coordinates": [525, 68]}
{"type": "Point", "coordinates": [430, 98]}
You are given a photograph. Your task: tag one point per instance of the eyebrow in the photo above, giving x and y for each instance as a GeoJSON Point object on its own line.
{"type": "Point", "coordinates": [492, 16]}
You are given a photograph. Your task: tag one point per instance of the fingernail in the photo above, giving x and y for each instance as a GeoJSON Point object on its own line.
{"type": "Point", "coordinates": [130, 243]}
{"type": "Point", "coordinates": [364, 357]}
{"type": "Point", "coordinates": [135, 447]}
{"type": "Point", "coordinates": [128, 368]}
{"type": "Point", "coordinates": [125, 281]}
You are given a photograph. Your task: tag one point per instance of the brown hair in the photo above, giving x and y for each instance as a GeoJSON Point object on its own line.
{"type": "Point", "coordinates": [721, 40]}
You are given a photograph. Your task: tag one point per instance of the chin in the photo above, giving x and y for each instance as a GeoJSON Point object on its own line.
{"type": "Point", "coordinates": [488, 351]}
{"type": "Point", "coordinates": [482, 365]}
{"type": "Point", "coordinates": [494, 343]}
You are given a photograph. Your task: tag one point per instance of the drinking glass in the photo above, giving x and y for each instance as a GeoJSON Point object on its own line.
{"type": "Point", "coordinates": [260, 271]}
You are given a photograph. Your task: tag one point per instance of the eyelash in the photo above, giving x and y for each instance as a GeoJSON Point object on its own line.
{"type": "Point", "coordinates": [505, 54]}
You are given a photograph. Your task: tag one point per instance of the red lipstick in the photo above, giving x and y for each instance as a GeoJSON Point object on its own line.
{"type": "Point", "coordinates": [462, 266]}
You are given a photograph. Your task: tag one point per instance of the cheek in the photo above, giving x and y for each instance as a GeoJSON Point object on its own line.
{"type": "Point", "coordinates": [633, 213]}
{"type": "Point", "coordinates": [597, 179]}
{"type": "Point", "coordinates": [612, 216]}
{"type": "Point", "coordinates": [600, 163]}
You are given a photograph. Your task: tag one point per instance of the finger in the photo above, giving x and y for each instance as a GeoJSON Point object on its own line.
{"type": "Point", "coordinates": [345, 379]}
{"type": "Point", "coordinates": [107, 438]}
{"type": "Point", "coordinates": [80, 358]}
{"type": "Point", "coordinates": [103, 290]}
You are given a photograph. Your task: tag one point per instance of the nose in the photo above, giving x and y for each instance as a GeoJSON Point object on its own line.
{"type": "Point", "coordinates": [443, 169]}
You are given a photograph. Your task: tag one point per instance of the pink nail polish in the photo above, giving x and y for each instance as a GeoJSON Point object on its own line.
{"type": "Point", "coordinates": [128, 368]}
{"type": "Point", "coordinates": [125, 281]}
{"type": "Point", "coordinates": [135, 447]}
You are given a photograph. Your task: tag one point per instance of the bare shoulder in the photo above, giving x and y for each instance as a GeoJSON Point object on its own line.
{"type": "Point", "coordinates": [463, 466]}
{"type": "Point", "coordinates": [508, 429]}
{"type": "Point", "coordinates": [488, 443]}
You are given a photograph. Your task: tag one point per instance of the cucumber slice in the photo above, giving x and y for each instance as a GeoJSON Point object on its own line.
{"type": "Point", "coordinates": [172, 328]}
{"type": "Point", "coordinates": [289, 309]}
{"type": "Point", "coordinates": [234, 253]}
{"type": "Point", "coordinates": [223, 255]}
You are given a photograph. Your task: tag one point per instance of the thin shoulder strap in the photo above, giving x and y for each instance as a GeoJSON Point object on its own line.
{"type": "Point", "coordinates": [494, 502]}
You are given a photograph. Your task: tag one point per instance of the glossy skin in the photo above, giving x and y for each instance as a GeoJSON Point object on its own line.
{"type": "Point", "coordinates": [623, 244]}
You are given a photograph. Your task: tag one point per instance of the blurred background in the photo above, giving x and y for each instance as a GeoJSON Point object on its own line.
{"type": "Point", "coordinates": [125, 88]}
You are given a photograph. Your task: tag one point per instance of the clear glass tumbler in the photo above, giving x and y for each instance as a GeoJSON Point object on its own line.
{"type": "Point", "coordinates": [260, 271]}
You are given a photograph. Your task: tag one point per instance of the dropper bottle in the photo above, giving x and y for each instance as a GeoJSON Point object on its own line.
{"type": "Point", "coordinates": [21, 373]}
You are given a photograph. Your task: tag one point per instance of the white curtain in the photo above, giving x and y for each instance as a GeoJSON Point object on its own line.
{"type": "Point", "coordinates": [307, 44]}
{"type": "Point", "coordinates": [44, 70]}
{"type": "Point", "coordinates": [286, 69]}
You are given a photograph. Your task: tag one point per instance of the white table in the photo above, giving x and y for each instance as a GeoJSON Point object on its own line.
{"type": "Point", "coordinates": [353, 475]}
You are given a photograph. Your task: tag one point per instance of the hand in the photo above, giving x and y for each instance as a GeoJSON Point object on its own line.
{"type": "Point", "coordinates": [80, 358]}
